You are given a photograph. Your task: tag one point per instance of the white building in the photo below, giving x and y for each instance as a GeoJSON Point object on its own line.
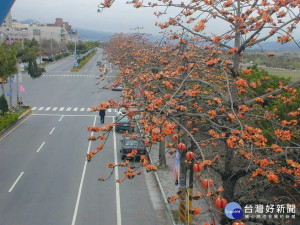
{"type": "Point", "coordinates": [60, 31]}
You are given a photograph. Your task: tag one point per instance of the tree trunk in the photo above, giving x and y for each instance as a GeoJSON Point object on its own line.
{"type": "Point", "coordinates": [162, 154]}
{"type": "Point", "coordinates": [229, 180]}
{"type": "Point", "coordinates": [2, 87]}
{"type": "Point", "coordinates": [229, 188]}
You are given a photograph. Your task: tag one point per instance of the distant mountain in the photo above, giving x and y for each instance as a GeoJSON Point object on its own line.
{"type": "Point", "coordinates": [28, 21]}
{"type": "Point", "coordinates": [105, 36]}
{"type": "Point", "coordinates": [274, 46]}
{"type": "Point", "coordinates": [93, 35]}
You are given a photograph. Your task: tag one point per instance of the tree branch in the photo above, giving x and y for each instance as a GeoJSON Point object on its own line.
{"type": "Point", "coordinates": [276, 92]}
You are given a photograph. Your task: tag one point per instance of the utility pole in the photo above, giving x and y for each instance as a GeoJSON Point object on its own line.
{"type": "Point", "coordinates": [19, 77]}
{"type": "Point", "coordinates": [183, 166]}
{"type": "Point", "coordinates": [51, 41]}
{"type": "Point", "coordinates": [10, 83]}
{"type": "Point", "coordinates": [40, 46]}
{"type": "Point", "coordinates": [191, 186]}
{"type": "Point", "coordinates": [75, 45]}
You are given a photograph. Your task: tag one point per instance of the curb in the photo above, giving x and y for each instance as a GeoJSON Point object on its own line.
{"type": "Point", "coordinates": [26, 114]}
{"type": "Point", "coordinates": [161, 189]}
{"type": "Point", "coordinates": [162, 193]}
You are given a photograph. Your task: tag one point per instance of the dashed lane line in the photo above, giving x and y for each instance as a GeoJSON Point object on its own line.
{"type": "Point", "coordinates": [75, 109]}
{"type": "Point", "coordinates": [52, 130]}
{"type": "Point", "coordinates": [40, 147]}
{"type": "Point", "coordinates": [14, 184]}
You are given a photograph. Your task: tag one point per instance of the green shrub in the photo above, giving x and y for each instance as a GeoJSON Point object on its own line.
{"type": "Point", "coordinates": [7, 119]}
{"type": "Point", "coordinates": [85, 59]}
{"type": "Point", "coordinates": [57, 57]}
{"type": "Point", "coordinates": [281, 107]}
{"type": "Point", "coordinates": [3, 104]}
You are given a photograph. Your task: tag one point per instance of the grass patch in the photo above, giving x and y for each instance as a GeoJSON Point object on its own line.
{"type": "Point", "coordinates": [20, 111]}
{"type": "Point", "coordinates": [284, 60]}
{"type": "Point", "coordinates": [7, 119]}
{"type": "Point", "coordinates": [294, 75]}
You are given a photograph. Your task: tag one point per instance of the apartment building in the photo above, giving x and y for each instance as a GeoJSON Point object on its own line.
{"type": "Point", "coordinates": [59, 31]}
{"type": "Point", "coordinates": [8, 20]}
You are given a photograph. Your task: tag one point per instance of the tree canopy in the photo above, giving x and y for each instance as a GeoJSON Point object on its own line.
{"type": "Point", "coordinates": [241, 123]}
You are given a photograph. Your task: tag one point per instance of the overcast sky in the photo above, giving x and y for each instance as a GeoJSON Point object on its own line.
{"type": "Point", "coordinates": [83, 13]}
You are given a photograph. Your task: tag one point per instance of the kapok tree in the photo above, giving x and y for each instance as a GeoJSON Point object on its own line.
{"type": "Point", "coordinates": [238, 134]}
{"type": "Point", "coordinates": [201, 104]}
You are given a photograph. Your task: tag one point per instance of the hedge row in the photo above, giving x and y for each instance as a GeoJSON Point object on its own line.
{"type": "Point", "coordinates": [7, 119]}
{"type": "Point", "coordinates": [85, 59]}
{"type": "Point", "coordinates": [59, 56]}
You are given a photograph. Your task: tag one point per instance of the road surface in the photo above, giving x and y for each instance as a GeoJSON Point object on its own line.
{"type": "Point", "coordinates": [45, 179]}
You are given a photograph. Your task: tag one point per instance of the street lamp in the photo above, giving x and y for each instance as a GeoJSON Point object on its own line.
{"type": "Point", "coordinates": [75, 50]}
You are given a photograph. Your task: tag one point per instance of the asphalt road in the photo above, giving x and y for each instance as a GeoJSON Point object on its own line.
{"type": "Point", "coordinates": [45, 179]}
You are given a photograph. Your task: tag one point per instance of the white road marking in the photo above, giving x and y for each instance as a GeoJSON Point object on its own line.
{"type": "Point", "coordinates": [40, 147]}
{"type": "Point", "coordinates": [68, 109]}
{"type": "Point", "coordinates": [12, 187]}
{"type": "Point", "coordinates": [61, 118]}
{"type": "Point", "coordinates": [52, 130]}
{"type": "Point", "coordinates": [118, 205]}
{"type": "Point", "coordinates": [48, 114]}
{"type": "Point", "coordinates": [81, 182]}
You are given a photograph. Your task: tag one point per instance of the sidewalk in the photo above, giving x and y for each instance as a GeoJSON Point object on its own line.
{"type": "Point", "coordinates": [167, 180]}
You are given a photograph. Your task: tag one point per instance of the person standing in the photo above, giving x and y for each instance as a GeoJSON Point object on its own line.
{"type": "Point", "coordinates": [102, 115]}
